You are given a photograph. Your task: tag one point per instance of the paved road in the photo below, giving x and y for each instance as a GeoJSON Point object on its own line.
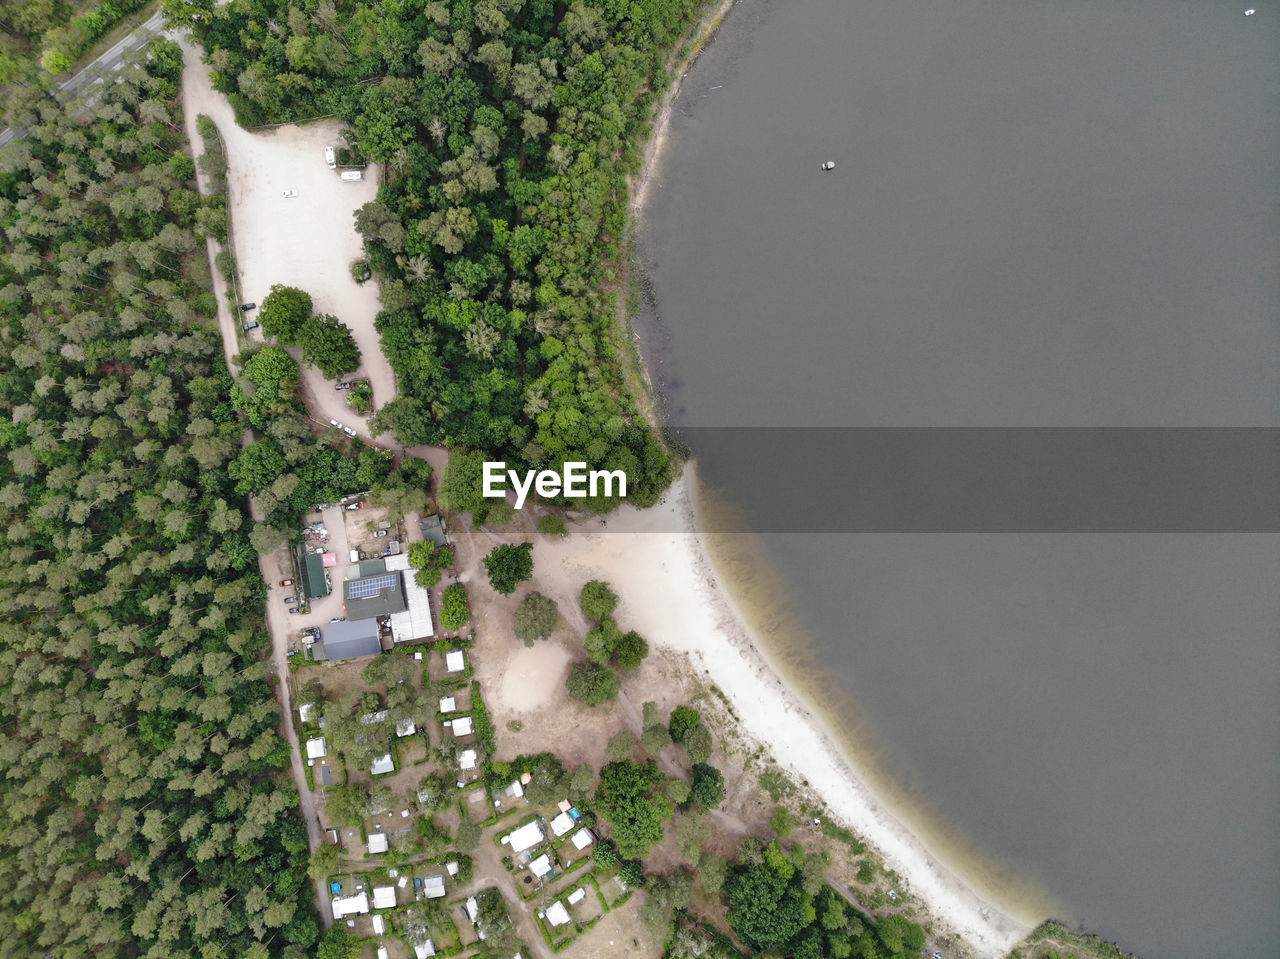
{"type": "Point", "coordinates": [111, 60]}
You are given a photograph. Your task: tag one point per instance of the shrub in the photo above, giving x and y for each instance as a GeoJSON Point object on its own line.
{"type": "Point", "coordinates": [551, 524]}
{"type": "Point", "coordinates": [453, 607]}
{"type": "Point", "coordinates": [361, 271]}
{"type": "Point", "coordinates": [606, 854]}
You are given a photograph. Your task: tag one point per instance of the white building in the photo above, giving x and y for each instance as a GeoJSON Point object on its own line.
{"type": "Point", "coordinates": [463, 726]}
{"type": "Point", "coordinates": [448, 704]}
{"type": "Point", "coordinates": [379, 926]}
{"type": "Point", "coordinates": [454, 661]}
{"type": "Point", "coordinates": [344, 906]}
{"type": "Point", "coordinates": [540, 866]}
{"type": "Point", "coordinates": [467, 759]}
{"type": "Point", "coordinates": [424, 951]}
{"type": "Point", "coordinates": [382, 953]}
{"type": "Point", "coordinates": [562, 824]}
{"type": "Point", "coordinates": [414, 622]}
{"type": "Point", "coordinates": [383, 764]}
{"type": "Point", "coordinates": [405, 727]}
{"type": "Point", "coordinates": [526, 837]}
{"type": "Point", "coordinates": [384, 897]}
{"type": "Point", "coordinates": [582, 838]}
{"type": "Point", "coordinates": [378, 842]}
{"type": "Point", "coordinates": [557, 914]}
{"type": "Point", "coordinates": [433, 887]}
{"type": "Point", "coordinates": [316, 748]}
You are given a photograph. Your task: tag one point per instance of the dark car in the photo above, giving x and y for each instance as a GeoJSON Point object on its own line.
{"type": "Point", "coordinates": [251, 325]}
{"type": "Point", "coordinates": [246, 307]}
{"type": "Point", "coordinates": [294, 609]}
{"type": "Point", "coordinates": [290, 600]}
{"type": "Point", "coordinates": [338, 619]}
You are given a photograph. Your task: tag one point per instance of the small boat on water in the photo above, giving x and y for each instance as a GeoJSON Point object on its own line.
{"type": "Point", "coordinates": [1250, 12]}
{"type": "Point", "coordinates": [828, 165]}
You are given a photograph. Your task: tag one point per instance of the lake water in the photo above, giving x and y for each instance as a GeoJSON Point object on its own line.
{"type": "Point", "coordinates": [1042, 215]}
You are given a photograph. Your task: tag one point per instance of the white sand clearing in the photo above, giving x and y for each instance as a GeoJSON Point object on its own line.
{"type": "Point", "coordinates": [308, 241]}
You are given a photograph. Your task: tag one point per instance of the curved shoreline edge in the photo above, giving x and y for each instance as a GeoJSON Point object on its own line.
{"type": "Point", "coordinates": [791, 728]}
{"type": "Point", "coordinates": [672, 592]}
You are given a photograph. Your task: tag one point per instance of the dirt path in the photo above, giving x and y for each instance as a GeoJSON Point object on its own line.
{"type": "Point", "coordinates": [270, 566]}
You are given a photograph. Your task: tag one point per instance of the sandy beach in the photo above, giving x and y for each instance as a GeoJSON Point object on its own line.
{"type": "Point", "coordinates": [671, 592]}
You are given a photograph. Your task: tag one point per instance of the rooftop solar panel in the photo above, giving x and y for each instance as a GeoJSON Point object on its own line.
{"type": "Point", "coordinates": [365, 588]}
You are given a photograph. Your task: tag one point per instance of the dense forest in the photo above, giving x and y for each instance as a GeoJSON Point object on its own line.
{"type": "Point", "coordinates": [43, 37]}
{"type": "Point", "coordinates": [507, 128]}
{"type": "Point", "coordinates": [142, 808]}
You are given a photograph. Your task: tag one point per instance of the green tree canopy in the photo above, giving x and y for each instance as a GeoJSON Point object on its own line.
{"type": "Point", "coordinates": [598, 600]}
{"type": "Point", "coordinates": [328, 344]}
{"type": "Point", "coordinates": [536, 617]}
{"type": "Point", "coordinates": [635, 807]}
{"type": "Point", "coordinates": [284, 313]}
{"type": "Point", "coordinates": [508, 566]}
{"type": "Point", "coordinates": [591, 683]}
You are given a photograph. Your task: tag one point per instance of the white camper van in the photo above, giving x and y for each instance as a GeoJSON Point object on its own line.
{"type": "Point", "coordinates": [352, 175]}
{"type": "Point", "coordinates": [330, 158]}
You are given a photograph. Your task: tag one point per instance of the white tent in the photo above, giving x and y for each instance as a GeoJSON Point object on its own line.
{"type": "Point", "coordinates": [316, 748]}
{"type": "Point", "coordinates": [405, 727]}
{"type": "Point", "coordinates": [526, 837]}
{"type": "Point", "coordinates": [448, 704]}
{"type": "Point", "coordinates": [356, 905]}
{"type": "Point", "coordinates": [540, 866]}
{"type": "Point", "coordinates": [378, 842]}
{"type": "Point", "coordinates": [577, 896]}
{"type": "Point", "coordinates": [463, 726]}
{"type": "Point", "coordinates": [384, 897]}
{"type": "Point", "coordinates": [467, 759]}
{"type": "Point", "coordinates": [582, 838]}
{"type": "Point", "coordinates": [562, 824]}
{"type": "Point", "coordinates": [383, 764]}
{"type": "Point", "coordinates": [454, 662]}
{"type": "Point", "coordinates": [557, 914]}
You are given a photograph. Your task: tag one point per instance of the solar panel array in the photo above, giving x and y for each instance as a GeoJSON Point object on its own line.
{"type": "Point", "coordinates": [372, 586]}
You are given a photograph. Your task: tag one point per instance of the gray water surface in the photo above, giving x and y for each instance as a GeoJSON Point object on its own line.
{"type": "Point", "coordinates": [1046, 215]}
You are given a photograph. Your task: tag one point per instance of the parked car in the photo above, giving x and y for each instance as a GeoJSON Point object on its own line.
{"type": "Point", "coordinates": [337, 619]}
{"type": "Point", "coordinates": [289, 194]}
{"type": "Point", "coordinates": [248, 325]}
{"type": "Point", "coordinates": [290, 600]}
{"type": "Point", "coordinates": [286, 582]}
{"type": "Point", "coordinates": [351, 506]}
{"type": "Point", "coordinates": [349, 431]}
{"type": "Point", "coordinates": [293, 652]}
{"type": "Point", "coordinates": [352, 175]}
{"type": "Point", "coordinates": [335, 423]}
{"type": "Point", "coordinates": [378, 534]}
{"type": "Point", "coordinates": [246, 307]}
{"type": "Point", "coordinates": [330, 158]}
{"type": "Point", "coordinates": [342, 386]}
{"type": "Point", "coordinates": [294, 609]}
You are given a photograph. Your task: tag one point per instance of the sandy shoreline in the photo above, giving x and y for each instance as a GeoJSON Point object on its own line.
{"type": "Point", "coordinates": [672, 594]}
